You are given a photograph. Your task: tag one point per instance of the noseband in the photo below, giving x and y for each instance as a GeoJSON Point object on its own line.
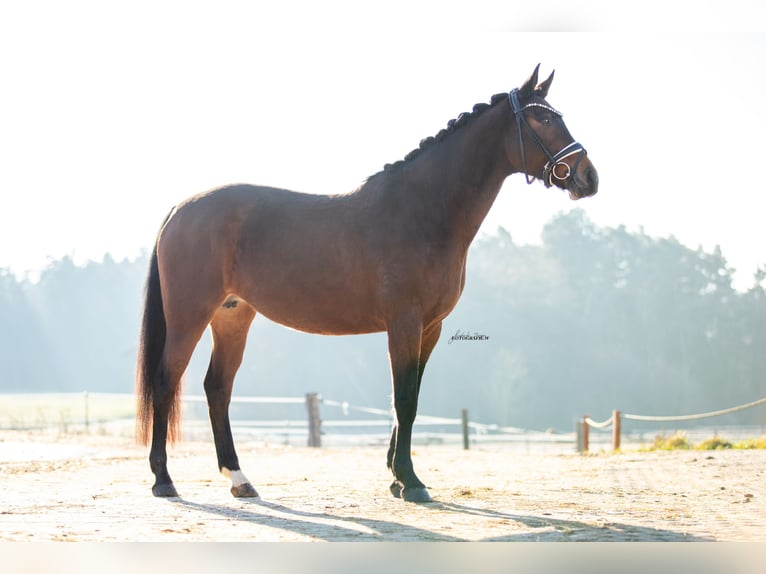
{"type": "Point", "coordinates": [555, 167]}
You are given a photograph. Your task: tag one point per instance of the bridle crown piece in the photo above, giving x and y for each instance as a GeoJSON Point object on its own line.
{"type": "Point", "coordinates": [555, 167]}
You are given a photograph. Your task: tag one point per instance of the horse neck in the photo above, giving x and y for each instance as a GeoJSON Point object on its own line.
{"type": "Point", "coordinates": [462, 174]}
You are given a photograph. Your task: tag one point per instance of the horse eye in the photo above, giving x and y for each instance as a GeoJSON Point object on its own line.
{"type": "Point", "coordinates": [546, 121]}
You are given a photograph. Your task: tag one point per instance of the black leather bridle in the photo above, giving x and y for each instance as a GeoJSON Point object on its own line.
{"type": "Point", "coordinates": [555, 161]}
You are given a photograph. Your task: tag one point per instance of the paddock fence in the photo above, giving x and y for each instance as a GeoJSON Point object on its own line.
{"type": "Point", "coordinates": [614, 423]}
{"type": "Point", "coordinates": [321, 422]}
{"type": "Point", "coordinates": [309, 420]}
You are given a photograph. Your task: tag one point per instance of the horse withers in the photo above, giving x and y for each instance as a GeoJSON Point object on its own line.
{"type": "Point", "coordinates": [389, 256]}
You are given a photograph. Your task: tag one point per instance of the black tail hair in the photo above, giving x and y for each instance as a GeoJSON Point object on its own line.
{"type": "Point", "coordinates": [150, 349]}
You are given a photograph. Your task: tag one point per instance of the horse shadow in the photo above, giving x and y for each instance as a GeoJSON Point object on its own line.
{"type": "Point", "coordinates": [538, 528]}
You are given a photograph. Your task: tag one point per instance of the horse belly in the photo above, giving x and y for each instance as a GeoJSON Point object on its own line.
{"type": "Point", "coordinates": [327, 317]}
{"type": "Point", "coordinates": [314, 306]}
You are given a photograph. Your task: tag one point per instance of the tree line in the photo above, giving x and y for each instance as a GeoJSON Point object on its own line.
{"type": "Point", "coordinates": [590, 320]}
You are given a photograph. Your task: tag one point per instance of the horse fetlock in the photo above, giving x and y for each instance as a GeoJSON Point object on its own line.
{"type": "Point", "coordinates": [158, 462]}
{"type": "Point", "coordinates": [163, 484]}
{"type": "Point", "coordinates": [237, 477]}
{"type": "Point", "coordinates": [404, 471]}
{"type": "Point", "coordinates": [405, 475]}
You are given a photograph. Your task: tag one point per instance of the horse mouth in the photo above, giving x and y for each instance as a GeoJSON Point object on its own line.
{"type": "Point", "coordinates": [575, 194]}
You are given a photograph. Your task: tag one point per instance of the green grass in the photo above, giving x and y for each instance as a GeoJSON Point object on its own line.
{"type": "Point", "coordinates": [714, 443]}
{"type": "Point", "coordinates": [676, 441]}
{"type": "Point", "coordinates": [679, 441]}
{"type": "Point", "coordinates": [751, 443]}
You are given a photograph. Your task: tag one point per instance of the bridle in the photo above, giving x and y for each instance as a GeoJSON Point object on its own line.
{"type": "Point", "coordinates": [555, 161]}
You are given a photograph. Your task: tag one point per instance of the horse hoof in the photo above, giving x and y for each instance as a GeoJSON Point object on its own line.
{"type": "Point", "coordinates": [166, 490]}
{"type": "Point", "coordinates": [416, 494]}
{"type": "Point", "coordinates": [245, 490]}
{"type": "Point", "coordinates": [396, 489]}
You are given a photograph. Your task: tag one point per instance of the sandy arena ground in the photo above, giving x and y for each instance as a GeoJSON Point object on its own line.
{"type": "Point", "coordinates": [91, 488]}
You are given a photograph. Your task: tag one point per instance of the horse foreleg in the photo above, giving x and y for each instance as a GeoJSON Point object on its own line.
{"type": "Point", "coordinates": [404, 342]}
{"type": "Point", "coordinates": [229, 328]}
{"type": "Point", "coordinates": [427, 344]}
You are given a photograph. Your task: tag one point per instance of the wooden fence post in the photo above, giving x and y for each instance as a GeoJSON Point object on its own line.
{"type": "Point", "coordinates": [585, 433]}
{"type": "Point", "coordinates": [465, 429]}
{"type": "Point", "coordinates": [616, 429]}
{"type": "Point", "coordinates": [315, 423]}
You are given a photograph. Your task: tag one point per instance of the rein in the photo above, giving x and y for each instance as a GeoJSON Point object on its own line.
{"type": "Point", "coordinates": [554, 161]}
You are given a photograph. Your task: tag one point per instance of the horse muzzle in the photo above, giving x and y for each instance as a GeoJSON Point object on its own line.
{"type": "Point", "coordinates": [584, 181]}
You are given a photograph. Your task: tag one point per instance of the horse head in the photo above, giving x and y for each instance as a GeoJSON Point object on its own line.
{"type": "Point", "coordinates": [539, 143]}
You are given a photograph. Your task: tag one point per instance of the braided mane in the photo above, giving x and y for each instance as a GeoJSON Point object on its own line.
{"type": "Point", "coordinates": [452, 125]}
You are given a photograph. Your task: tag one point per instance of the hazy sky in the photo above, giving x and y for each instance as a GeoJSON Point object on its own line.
{"type": "Point", "coordinates": [111, 113]}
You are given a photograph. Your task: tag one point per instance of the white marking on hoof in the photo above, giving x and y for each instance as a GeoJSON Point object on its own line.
{"type": "Point", "coordinates": [237, 477]}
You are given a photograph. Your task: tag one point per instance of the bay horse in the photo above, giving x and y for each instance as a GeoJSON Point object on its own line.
{"type": "Point", "coordinates": [389, 256]}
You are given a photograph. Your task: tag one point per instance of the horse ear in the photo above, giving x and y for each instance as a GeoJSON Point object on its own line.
{"type": "Point", "coordinates": [542, 89]}
{"type": "Point", "coordinates": [528, 88]}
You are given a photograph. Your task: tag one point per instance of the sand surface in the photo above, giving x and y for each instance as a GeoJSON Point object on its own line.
{"type": "Point", "coordinates": [97, 488]}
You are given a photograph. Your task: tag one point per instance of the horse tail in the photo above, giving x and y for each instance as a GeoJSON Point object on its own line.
{"type": "Point", "coordinates": [150, 348]}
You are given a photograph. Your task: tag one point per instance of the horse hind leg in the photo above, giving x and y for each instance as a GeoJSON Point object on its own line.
{"type": "Point", "coordinates": [165, 390]}
{"type": "Point", "coordinates": [166, 401]}
{"type": "Point", "coordinates": [229, 327]}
